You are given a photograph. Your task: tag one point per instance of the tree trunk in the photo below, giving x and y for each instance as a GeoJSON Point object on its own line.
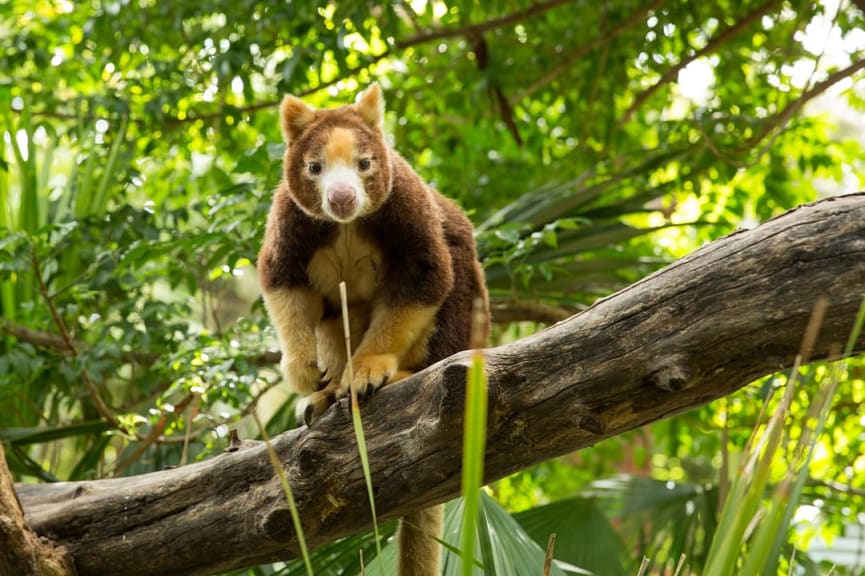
{"type": "Point", "coordinates": [695, 331]}
{"type": "Point", "coordinates": [22, 553]}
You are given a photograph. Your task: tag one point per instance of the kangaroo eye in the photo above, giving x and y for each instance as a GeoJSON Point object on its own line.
{"type": "Point", "coordinates": [314, 168]}
{"type": "Point", "coordinates": [364, 163]}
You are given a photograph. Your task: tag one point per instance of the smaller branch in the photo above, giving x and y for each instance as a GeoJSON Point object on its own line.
{"type": "Point", "coordinates": [777, 122]}
{"type": "Point", "coordinates": [153, 436]}
{"type": "Point", "coordinates": [273, 103]}
{"type": "Point", "coordinates": [838, 487]}
{"type": "Point", "coordinates": [783, 117]}
{"type": "Point", "coordinates": [672, 73]}
{"type": "Point", "coordinates": [36, 337]}
{"type": "Point", "coordinates": [592, 98]}
{"type": "Point", "coordinates": [406, 7]}
{"type": "Point", "coordinates": [526, 311]}
{"type": "Point", "coordinates": [469, 30]}
{"type": "Point", "coordinates": [98, 401]}
{"type": "Point", "coordinates": [481, 50]}
{"type": "Point", "coordinates": [58, 344]}
{"type": "Point", "coordinates": [480, 28]}
{"type": "Point", "coordinates": [624, 25]}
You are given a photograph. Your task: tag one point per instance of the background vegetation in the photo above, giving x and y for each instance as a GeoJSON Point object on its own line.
{"type": "Point", "coordinates": [591, 142]}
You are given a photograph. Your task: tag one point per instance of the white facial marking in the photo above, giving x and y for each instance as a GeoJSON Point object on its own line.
{"type": "Point", "coordinates": [336, 185]}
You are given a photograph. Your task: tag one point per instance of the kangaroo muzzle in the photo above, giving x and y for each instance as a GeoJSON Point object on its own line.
{"type": "Point", "coordinates": [342, 200]}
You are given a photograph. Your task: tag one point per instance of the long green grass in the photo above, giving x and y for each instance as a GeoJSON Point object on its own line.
{"type": "Point", "coordinates": [753, 529]}
{"type": "Point", "coordinates": [289, 496]}
{"type": "Point", "coordinates": [474, 448]}
{"type": "Point", "coordinates": [357, 423]}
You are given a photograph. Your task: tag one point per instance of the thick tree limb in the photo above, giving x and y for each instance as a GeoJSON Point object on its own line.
{"type": "Point", "coordinates": [696, 331]}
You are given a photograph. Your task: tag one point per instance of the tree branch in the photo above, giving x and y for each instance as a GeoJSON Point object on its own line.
{"type": "Point", "coordinates": [95, 395]}
{"type": "Point", "coordinates": [716, 41]}
{"type": "Point", "coordinates": [693, 332]}
{"type": "Point", "coordinates": [470, 30]}
{"type": "Point", "coordinates": [638, 16]}
{"type": "Point", "coordinates": [793, 107]}
{"type": "Point", "coordinates": [58, 344]}
{"type": "Point", "coordinates": [777, 122]}
{"type": "Point", "coordinates": [507, 311]}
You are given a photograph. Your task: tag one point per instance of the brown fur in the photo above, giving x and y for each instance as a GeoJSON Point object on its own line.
{"type": "Point", "coordinates": [351, 209]}
{"type": "Point", "coordinates": [419, 555]}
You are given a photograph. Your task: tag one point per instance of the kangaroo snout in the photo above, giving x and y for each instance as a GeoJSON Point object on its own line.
{"type": "Point", "coordinates": [342, 199]}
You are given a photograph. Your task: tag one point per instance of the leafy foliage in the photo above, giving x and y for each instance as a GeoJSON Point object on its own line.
{"type": "Point", "coordinates": [590, 142]}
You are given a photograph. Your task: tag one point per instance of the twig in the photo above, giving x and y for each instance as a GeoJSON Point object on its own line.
{"type": "Point", "coordinates": [548, 560]}
{"type": "Point", "coordinates": [152, 437]}
{"type": "Point", "coordinates": [190, 417]}
{"type": "Point", "coordinates": [680, 565]}
{"type": "Point", "coordinates": [838, 487]}
{"type": "Point", "coordinates": [406, 7]}
{"type": "Point", "coordinates": [36, 337]}
{"type": "Point", "coordinates": [644, 565]}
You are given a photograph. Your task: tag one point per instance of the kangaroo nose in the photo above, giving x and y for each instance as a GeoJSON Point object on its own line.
{"type": "Point", "coordinates": [342, 198]}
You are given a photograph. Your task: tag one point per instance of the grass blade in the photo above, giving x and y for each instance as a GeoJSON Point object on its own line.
{"type": "Point", "coordinates": [857, 329]}
{"type": "Point", "coordinates": [474, 441]}
{"type": "Point", "coordinates": [101, 201]}
{"type": "Point", "coordinates": [289, 497]}
{"type": "Point", "coordinates": [356, 420]}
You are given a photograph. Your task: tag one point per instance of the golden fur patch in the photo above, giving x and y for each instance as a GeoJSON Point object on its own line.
{"type": "Point", "coordinates": [352, 258]}
{"type": "Point", "coordinates": [340, 147]}
{"type": "Point", "coordinates": [291, 310]}
{"type": "Point", "coordinates": [395, 339]}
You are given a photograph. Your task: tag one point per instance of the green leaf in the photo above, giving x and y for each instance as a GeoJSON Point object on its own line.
{"type": "Point", "coordinates": [38, 435]}
{"type": "Point", "coordinates": [584, 535]}
{"type": "Point", "coordinates": [512, 552]}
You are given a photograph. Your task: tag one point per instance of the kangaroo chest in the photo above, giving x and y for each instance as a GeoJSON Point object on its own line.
{"type": "Point", "coordinates": [352, 257]}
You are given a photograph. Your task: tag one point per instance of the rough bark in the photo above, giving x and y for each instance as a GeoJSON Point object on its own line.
{"type": "Point", "coordinates": [22, 553]}
{"type": "Point", "coordinates": [695, 331]}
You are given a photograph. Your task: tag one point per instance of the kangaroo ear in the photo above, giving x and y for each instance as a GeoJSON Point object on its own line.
{"type": "Point", "coordinates": [295, 116]}
{"type": "Point", "coordinates": [370, 106]}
